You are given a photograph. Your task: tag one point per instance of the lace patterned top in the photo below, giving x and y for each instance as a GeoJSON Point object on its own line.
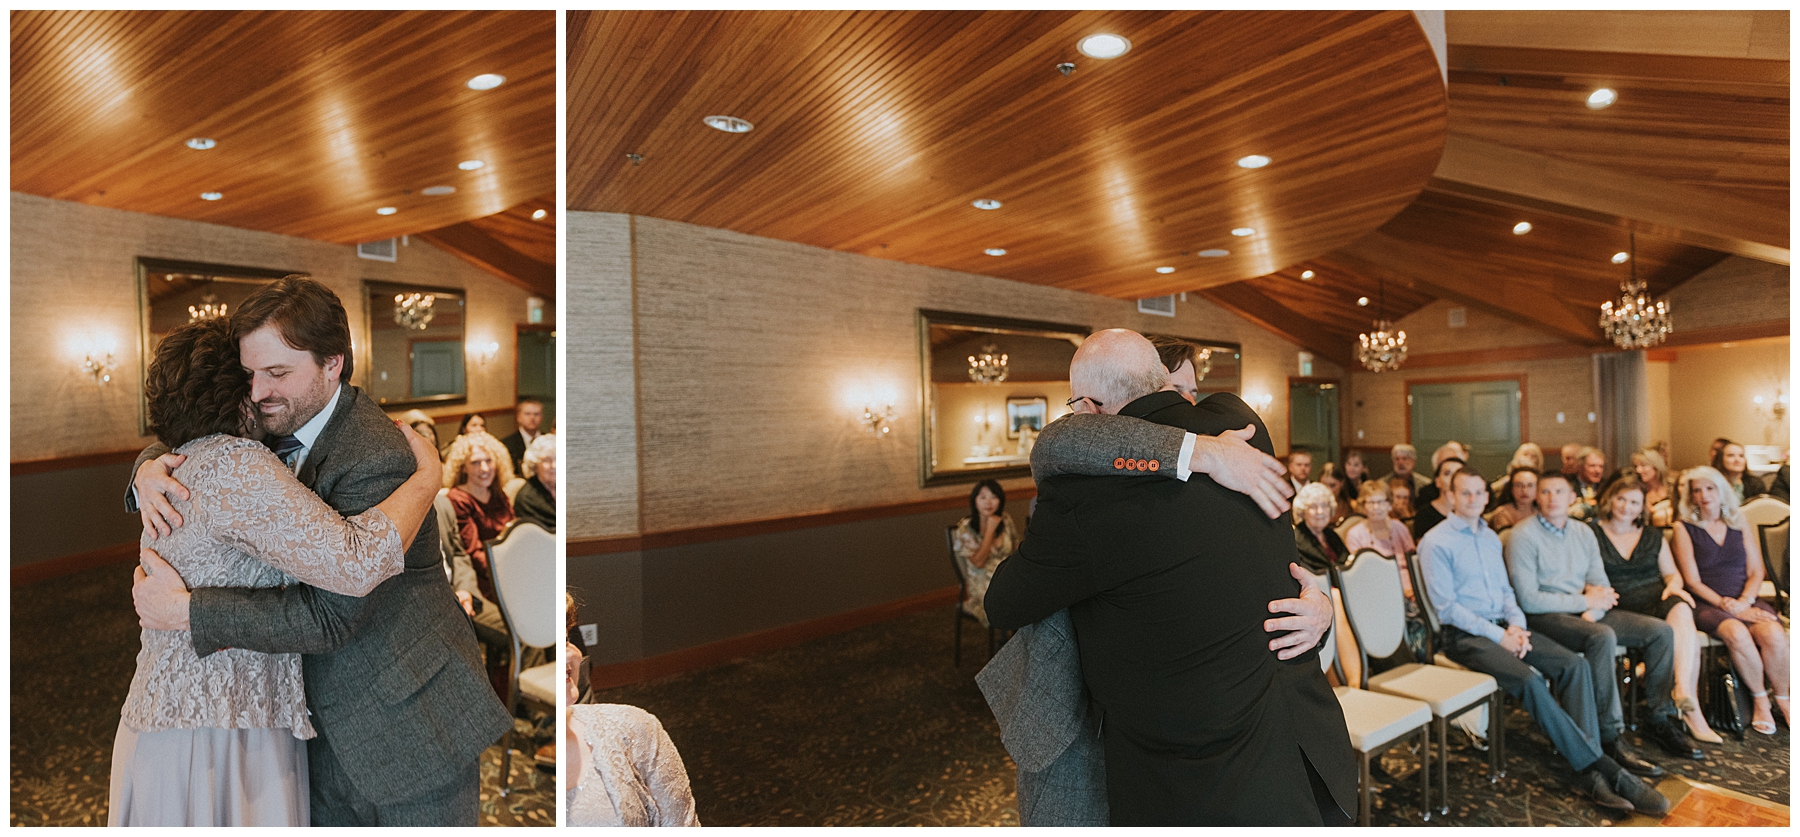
{"type": "Point", "coordinates": [631, 774]}
{"type": "Point", "coordinates": [249, 523]}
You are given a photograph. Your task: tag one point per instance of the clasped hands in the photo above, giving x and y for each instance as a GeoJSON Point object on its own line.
{"type": "Point", "coordinates": [1599, 600]}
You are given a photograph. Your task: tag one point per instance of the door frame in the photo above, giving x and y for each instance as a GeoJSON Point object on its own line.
{"type": "Point", "coordinates": [519, 330]}
{"type": "Point", "coordinates": [1315, 379]}
{"type": "Point", "coordinates": [1524, 428]}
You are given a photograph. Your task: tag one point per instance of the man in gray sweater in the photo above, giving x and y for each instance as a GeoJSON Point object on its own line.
{"type": "Point", "coordinates": [1555, 568]}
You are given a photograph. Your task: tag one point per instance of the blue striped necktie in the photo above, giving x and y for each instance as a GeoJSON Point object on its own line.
{"type": "Point", "coordinates": [284, 447]}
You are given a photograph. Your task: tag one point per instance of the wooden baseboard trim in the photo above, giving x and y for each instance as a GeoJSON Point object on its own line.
{"type": "Point", "coordinates": [68, 564]}
{"type": "Point", "coordinates": [729, 531]}
{"type": "Point", "coordinates": [714, 653]}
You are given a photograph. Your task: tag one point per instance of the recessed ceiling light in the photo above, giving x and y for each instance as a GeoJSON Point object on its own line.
{"type": "Point", "coordinates": [1165, 269]}
{"type": "Point", "coordinates": [986, 203]}
{"type": "Point", "coordinates": [470, 165]}
{"type": "Point", "coordinates": [1522, 228]}
{"type": "Point", "coordinates": [995, 251]}
{"type": "Point", "coordinates": [1362, 301]}
{"type": "Point", "coordinates": [729, 124]}
{"type": "Point", "coordinates": [1602, 98]}
{"type": "Point", "coordinates": [538, 215]}
{"type": "Point", "coordinates": [434, 191]}
{"type": "Point", "coordinates": [1103, 46]}
{"type": "Point", "coordinates": [201, 143]}
{"type": "Point", "coordinates": [1254, 161]}
{"type": "Point", "coordinates": [211, 196]}
{"type": "Point", "coordinates": [1240, 232]}
{"type": "Point", "coordinates": [386, 210]}
{"type": "Point", "coordinates": [1214, 253]}
{"type": "Point", "coordinates": [1307, 275]}
{"type": "Point", "coordinates": [1621, 257]}
{"type": "Point", "coordinates": [486, 81]}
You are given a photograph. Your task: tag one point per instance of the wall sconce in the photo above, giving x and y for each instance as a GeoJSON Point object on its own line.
{"type": "Point", "coordinates": [99, 367]}
{"type": "Point", "coordinates": [485, 352]}
{"type": "Point", "coordinates": [879, 421]}
{"type": "Point", "coordinates": [1260, 402]}
{"type": "Point", "coordinates": [1777, 406]}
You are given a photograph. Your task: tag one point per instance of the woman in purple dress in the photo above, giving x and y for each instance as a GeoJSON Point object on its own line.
{"type": "Point", "coordinates": [1723, 568]}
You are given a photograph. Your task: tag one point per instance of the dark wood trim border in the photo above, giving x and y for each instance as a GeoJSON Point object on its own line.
{"type": "Point", "coordinates": [711, 654]}
{"type": "Point", "coordinates": [729, 531]}
{"type": "Point", "coordinates": [65, 463]}
{"type": "Point", "coordinates": [57, 567]}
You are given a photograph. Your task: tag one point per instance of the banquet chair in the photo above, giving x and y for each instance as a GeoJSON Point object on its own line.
{"type": "Point", "coordinates": [962, 593]}
{"type": "Point", "coordinates": [1376, 723]}
{"type": "Point", "coordinates": [511, 488]}
{"type": "Point", "coordinates": [1765, 513]}
{"type": "Point", "coordinates": [1495, 712]}
{"type": "Point", "coordinates": [1349, 522]}
{"type": "Point", "coordinates": [1376, 609]}
{"type": "Point", "coordinates": [523, 561]}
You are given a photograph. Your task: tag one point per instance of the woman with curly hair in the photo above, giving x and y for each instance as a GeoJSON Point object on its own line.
{"type": "Point", "coordinates": [474, 470]}
{"type": "Point", "coordinates": [219, 740]}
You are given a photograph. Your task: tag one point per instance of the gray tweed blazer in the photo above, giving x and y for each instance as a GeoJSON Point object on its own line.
{"type": "Point", "coordinates": [394, 679]}
{"type": "Point", "coordinates": [1033, 685]}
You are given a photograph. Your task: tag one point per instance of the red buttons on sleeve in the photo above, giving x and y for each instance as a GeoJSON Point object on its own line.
{"type": "Point", "coordinates": [1155, 464]}
{"type": "Point", "coordinates": [1119, 463]}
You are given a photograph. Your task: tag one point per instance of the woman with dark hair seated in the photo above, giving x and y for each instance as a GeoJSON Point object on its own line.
{"type": "Point", "coordinates": [1521, 498]}
{"type": "Point", "coordinates": [984, 539]}
{"type": "Point", "coordinates": [219, 740]}
{"type": "Point", "coordinates": [1438, 510]}
{"type": "Point", "coordinates": [1731, 462]}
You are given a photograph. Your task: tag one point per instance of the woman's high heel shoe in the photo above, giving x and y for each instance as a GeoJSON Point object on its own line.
{"type": "Point", "coordinates": [1765, 727]}
{"type": "Point", "coordinates": [1696, 722]}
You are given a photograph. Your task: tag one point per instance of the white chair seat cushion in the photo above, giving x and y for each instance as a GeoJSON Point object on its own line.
{"type": "Point", "coordinates": [540, 683]}
{"type": "Point", "coordinates": [1375, 719]}
{"type": "Point", "coordinates": [1447, 690]}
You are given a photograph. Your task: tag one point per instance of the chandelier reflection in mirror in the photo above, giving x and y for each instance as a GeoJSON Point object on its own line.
{"type": "Point", "coordinates": [1634, 321]}
{"type": "Point", "coordinates": [1203, 365]}
{"type": "Point", "coordinates": [1384, 349]}
{"type": "Point", "coordinates": [987, 367]}
{"type": "Point", "coordinates": [210, 308]}
{"type": "Point", "coordinates": [413, 310]}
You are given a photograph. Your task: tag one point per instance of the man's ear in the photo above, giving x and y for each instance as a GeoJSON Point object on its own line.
{"type": "Point", "coordinates": [334, 367]}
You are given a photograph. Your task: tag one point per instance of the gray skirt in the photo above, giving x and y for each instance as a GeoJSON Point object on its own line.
{"type": "Point", "coordinates": [208, 777]}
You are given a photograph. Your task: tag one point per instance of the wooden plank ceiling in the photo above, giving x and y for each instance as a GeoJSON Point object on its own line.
{"type": "Point", "coordinates": [320, 118]}
{"type": "Point", "coordinates": [876, 130]}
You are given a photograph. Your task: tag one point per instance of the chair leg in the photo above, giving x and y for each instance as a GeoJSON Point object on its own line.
{"type": "Point", "coordinates": [1425, 770]}
{"type": "Point", "coordinates": [1443, 736]}
{"type": "Point", "coordinates": [956, 612]}
{"type": "Point", "coordinates": [1362, 802]}
{"type": "Point", "coordinates": [1497, 735]}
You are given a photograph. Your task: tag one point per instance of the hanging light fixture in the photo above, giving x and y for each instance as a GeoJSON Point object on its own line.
{"type": "Point", "coordinates": [1634, 321]}
{"type": "Point", "coordinates": [208, 309]}
{"type": "Point", "coordinates": [1384, 349]}
{"type": "Point", "coordinates": [987, 367]}
{"type": "Point", "coordinates": [1203, 365]}
{"type": "Point", "coordinates": [414, 310]}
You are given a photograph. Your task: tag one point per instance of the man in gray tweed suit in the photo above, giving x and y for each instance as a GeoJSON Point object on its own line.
{"type": "Point", "coordinates": [394, 680]}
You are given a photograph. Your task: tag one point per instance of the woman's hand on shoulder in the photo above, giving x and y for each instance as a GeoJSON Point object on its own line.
{"type": "Point", "coordinates": [424, 452]}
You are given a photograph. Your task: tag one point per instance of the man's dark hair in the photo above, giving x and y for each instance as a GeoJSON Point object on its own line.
{"type": "Point", "coordinates": [196, 385]}
{"type": "Point", "coordinates": [1173, 350]}
{"type": "Point", "coordinates": [528, 400]}
{"type": "Point", "coordinates": [1289, 459]}
{"type": "Point", "coordinates": [1467, 471]}
{"type": "Point", "coordinates": [309, 316]}
{"type": "Point", "coordinates": [1549, 475]}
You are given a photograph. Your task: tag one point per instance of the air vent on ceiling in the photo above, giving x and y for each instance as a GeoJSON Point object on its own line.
{"type": "Point", "coordinates": [1459, 317]}
{"type": "Point", "coordinates": [381, 251]}
{"type": "Point", "coordinates": [1162, 306]}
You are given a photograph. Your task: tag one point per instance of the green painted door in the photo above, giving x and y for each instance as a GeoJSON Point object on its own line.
{"type": "Point", "coordinates": [1313, 422]}
{"type": "Point", "coordinates": [1484, 415]}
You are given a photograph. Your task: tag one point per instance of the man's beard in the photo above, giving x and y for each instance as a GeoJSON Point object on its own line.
{"type": "Point", "coordinates": [299, 410]}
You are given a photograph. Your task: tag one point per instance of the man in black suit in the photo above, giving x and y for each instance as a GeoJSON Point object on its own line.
{"type": "Point", "coordinates": [394, 680]}
{"type": "Point", "coordinates": [529, 416]}
{"type": "Point", "coordinates": [1168, 585]}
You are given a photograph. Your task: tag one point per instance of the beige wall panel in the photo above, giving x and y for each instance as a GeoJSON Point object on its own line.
{"type": "Point", "coordinates": [601, 401]}
{"type": "Point", "coordinates": [1711, 390]}
{"type": "Point", "coordinates": [1428, 331]}
{"type": "Point", "coordinates": [755, 357]}
{"type": "Point", "coordinates": [74, 286]}
{"type": "Point", "coordinates": [1656, 381]}
{"type": "Point", "coordinates": [1733, 292]}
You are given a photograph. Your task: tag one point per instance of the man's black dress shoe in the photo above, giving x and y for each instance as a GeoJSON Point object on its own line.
{"type": "Point", "coordinates": [1595, 786]}
{"type": "Point", "coordinates": [1630, 760]}
{"type": "Point", "coordinates": [1672, 739]}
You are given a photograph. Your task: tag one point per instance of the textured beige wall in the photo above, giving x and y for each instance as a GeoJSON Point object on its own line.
{"type": "Point", "coordinates": [1733, 292]}
{"type": "Point", "coordinates": [1711, 390]}
{"type": "Point", "coordinates": [74, 285]}
{"type": "Point", "coordinates": [1656, 381]}
{"type": "Point", "coordinates": [754, 358]}
{"type": "Point", "coordinates": [1428, 331]}
{"type": "Point", "coordinates": [1564, 385]}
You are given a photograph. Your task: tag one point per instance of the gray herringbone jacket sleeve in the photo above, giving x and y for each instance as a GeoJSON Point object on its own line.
{"type": "Point", "coordinates": [1094, 445]}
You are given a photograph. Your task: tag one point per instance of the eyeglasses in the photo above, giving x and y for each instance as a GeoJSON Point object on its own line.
{"type": "Point", "coordinates": [1071, 402]}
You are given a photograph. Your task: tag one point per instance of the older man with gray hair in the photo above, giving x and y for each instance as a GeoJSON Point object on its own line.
{"type": "Point", "coordinates": [1406, 458]}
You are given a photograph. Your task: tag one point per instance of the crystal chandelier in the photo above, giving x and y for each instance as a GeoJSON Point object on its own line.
{"type": "Point", "coordinates": [208, 309]}
{"type": "Point", "coordinates": [1384, 349]}
{"type": "Point", "coordinates": [413, 310]}
{"type": "Point", "coordinates": [1634, 321]}
{"type": "Point", "coordinates": [987, 367]}
{"type": "Point", "coordinates": [1203, 365]}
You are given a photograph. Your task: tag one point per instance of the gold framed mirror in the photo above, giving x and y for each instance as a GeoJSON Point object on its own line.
{"type": "Point", "coordinates": [416, 351]}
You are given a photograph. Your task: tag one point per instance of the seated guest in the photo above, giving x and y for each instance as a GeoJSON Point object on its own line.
{"type": "Point", "coordinates": [1587, 483]}
{"type": "Point", "coordinates": [1571, 460]}
{"type": "Point", "coordinates": [1484, 630]}
{"type": "Point", "coordinates": [1529, 455]}
{"type": "Point", "coordinates": [984, 539]}
{"type": "Point", "coordinates": [625, 772]}
{"type": "Point", "coordinates": [528, 417]}
{"type": "Point", "coordinates": [1405, 456]}
{"type": "Point", "coordinates": [1521, 487]}
{"type": "Point", "coordinates": [1382, 533]}
{"type": "Point", "coordinates": [1447, 450]}
{"type": "Point", "coordinates": [1333, 480]}
{"type": "Point", "coordinates": [1354, 472]}
{"type": "Point", "coordinates": [1653, 477]}
{"type": "Point", "coordinates": [1721, 564]}
{"type": "Point", "coordinates": [1778, 487]}
{"type": "Point", "coordinates": [1435, 512]}
{"type": "Point", "coordinates": [1299, 468]}
{"type": "Point", "coordinates": [1731, 462]}
{"type": "Point", "coordinates": [1319, 545]}
{"type": "Point", "coordinates": [471, 423]}
{"type": "Point", "coordinates": [536, 500]}
{"type": "Point", "coordinates": [1400, 491]}
{"type": "Point", "coordinates": [474, 470]}
{"type": "Point", "coordinates": [417, 420]}
{"type": "Point", "coordinates": [1642, 569]}
{"type": "Point", "coordinates": [1712, 450]}
{"type": "Point", "coordinates": [1556, 571]}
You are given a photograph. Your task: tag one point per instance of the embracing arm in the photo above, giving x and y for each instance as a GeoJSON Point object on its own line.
{"type": "Point", "coordinates": [1107, 445]}
{"type": "Point", "coordinates": [1046, 575]}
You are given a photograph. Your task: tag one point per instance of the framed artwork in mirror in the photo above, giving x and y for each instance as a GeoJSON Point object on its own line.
{"type": "Point", "coordinates": [416, 353]}
{"type": "Point", "coordinates": [1026, 415]}
{"type": "Point", "coordinates": [173, 293]}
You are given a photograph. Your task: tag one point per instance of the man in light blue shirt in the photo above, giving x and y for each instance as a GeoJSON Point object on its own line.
{"type": "Point", "coordinates": [1484, 630]}
{"type": "Point", "coordinates": [1555, 567]}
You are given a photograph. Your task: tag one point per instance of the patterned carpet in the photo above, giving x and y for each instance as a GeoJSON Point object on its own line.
{"type": "Point", "coordinates": [74, 645]}
{"type": "Point", "coordinates": [875, 727]}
